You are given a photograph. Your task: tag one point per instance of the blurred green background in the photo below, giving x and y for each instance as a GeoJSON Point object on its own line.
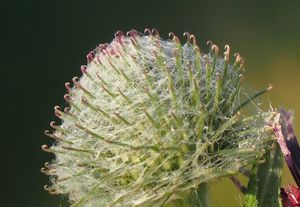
{"type": "Point", "coordinates": [43, 44]}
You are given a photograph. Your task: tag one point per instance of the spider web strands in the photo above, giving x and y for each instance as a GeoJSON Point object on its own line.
{"type": "Point", "coordinates": [251, 99]}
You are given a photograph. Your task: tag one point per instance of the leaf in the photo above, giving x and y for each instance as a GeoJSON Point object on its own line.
{"type": "Point", "coordinates": [269, 178]}
{"type": "Point", "coordinates": [265, 180]}
{"type": "Point", "coordinates": [200, 198]}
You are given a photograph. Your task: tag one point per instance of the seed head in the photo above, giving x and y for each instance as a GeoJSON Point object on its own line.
{"type": "Point", "coordinates": [150, 119]}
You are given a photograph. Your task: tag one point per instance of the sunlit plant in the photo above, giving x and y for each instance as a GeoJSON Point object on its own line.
{"type": "Point", "coordinates": [152, 122]}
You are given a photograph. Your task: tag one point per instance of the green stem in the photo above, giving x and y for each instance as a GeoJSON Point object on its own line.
{"type": "Point", "coordinates": [203, 195]}
{"type": "Point", "coordinates": [200, 197]}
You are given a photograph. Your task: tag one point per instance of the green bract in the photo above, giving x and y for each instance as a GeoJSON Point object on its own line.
{"type": "Point", "coordinates": [151, 119]}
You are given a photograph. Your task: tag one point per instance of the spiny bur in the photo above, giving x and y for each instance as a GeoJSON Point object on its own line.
{"type": "Point", "coordinates": [150, 119]}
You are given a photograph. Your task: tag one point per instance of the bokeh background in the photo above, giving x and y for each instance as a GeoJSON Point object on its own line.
{"type": "Point", "coordinates": [43, 44]}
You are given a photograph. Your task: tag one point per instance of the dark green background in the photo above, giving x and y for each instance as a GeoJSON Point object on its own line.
{"type": "Point", "coordinates": [43, 44]}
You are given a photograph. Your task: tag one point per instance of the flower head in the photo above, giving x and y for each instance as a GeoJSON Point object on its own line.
{"type": "Point", "coordinates": [150, 119]}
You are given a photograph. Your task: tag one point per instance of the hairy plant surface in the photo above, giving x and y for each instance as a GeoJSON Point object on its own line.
{"type": "Point", "coordinates": [152, 119]}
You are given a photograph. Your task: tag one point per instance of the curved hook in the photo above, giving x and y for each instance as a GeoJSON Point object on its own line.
{"type": "Point", "coordinates": [48, 171]}
{"type": "Point", "coordinates": [171, 35]}
{"type": "Point", "coordinates": [57, 112]}
{"type": "Point", "coordinates": [155, 32]}
{"type": "Point", "coordinates": [67, 98]}
{"type": "Point", "coordinates": [68, 87]}
{"type": "Point", "coordinates": [51, 190]}
{"type": "Point", "coordinates": [238, 58]}
{"type": "Point", "coordinates": [102, 47]}
{"type": "Point", "coordinates": [119, 34]}
{"type": "Point", "coordinates": [49, 134]}
{"type": "Point", "coordinates": [45, 148]}
{"type": "Point", "coordinates": [149, 31]}
{"type": "Point", "coordinates": [215, 49]}
{"type": "Point", "coordinates": [132, 33]}
{"type": "Point", "coordinates": [209, 43]}
{"type": "Point", "coordinates": [75, 81]}
{"type": "Point", "coordinates": [174, 37]}
{"type": "Point", "coordinates": [83, 69]}
{"type": "Point", "coordinates": [67, 109]}
{"type": "Point", "coordinates": [193, 39]}
{"type": "Point", "coordinates": [48, 165]}
{"type": "Point", "coordinates": [188, 36]}
{"type": "Point", "coordinates": [227, 52]}
{"type": "Point", "coordinates": [44, 170]}
{"type": "Point", "coordinates": [90, 56]}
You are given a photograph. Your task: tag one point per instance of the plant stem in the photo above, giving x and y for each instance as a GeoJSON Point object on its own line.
{"type": "Point", "coordinates": [200, 197]}
{"type": "Point", "coordinates": [203, 193]}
